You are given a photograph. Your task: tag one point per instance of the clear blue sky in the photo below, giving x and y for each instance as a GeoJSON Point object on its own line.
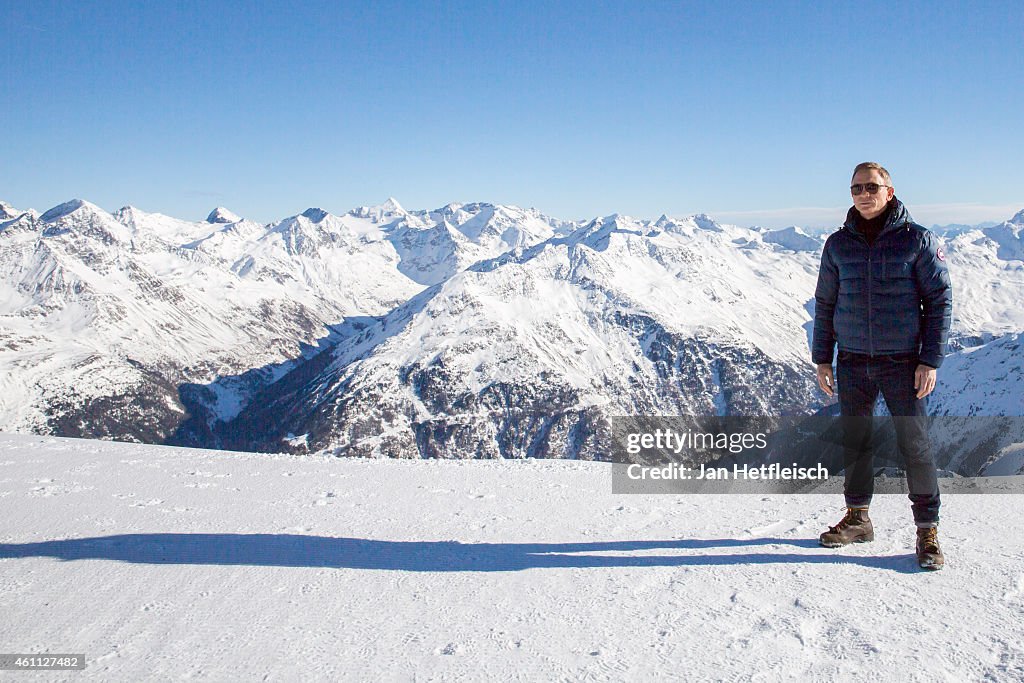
{"type": "Point", "coordinates": [753, 112]}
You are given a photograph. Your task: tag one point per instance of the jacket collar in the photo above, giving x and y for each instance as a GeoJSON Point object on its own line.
{"type": "Point", "coordinates": [898, 218]}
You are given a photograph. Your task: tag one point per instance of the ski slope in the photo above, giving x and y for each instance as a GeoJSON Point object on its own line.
{"type": "Point", "coordinates": [162, 563]}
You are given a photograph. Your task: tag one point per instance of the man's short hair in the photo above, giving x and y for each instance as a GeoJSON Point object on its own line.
{"type": "Point", "coordinates": [872, 166]}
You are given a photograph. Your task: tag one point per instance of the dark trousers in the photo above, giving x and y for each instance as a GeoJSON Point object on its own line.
{"type": "Point", "coordinates": [859, 380]}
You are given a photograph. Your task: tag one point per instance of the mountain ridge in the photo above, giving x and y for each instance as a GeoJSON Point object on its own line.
{"type": "Point", "coordinates": [476, 329]}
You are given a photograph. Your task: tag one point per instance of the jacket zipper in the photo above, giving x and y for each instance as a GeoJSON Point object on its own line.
{"type": "Point", "coordinates": [871, 335]}
{"type": "Point", "coordinates": [871, 331]}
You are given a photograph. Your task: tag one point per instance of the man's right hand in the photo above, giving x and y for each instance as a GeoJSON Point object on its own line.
{"type": "Point", "coordinates": [826, 380]}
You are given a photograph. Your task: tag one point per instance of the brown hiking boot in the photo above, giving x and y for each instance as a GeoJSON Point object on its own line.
{"type": "Point", "coordinates": [929, 554]}
{"type": "Point", "coordinates": [855, 527]}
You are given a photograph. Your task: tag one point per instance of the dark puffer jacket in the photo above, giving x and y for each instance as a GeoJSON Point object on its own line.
{"type": "Point", "coordinates": [892, 297]}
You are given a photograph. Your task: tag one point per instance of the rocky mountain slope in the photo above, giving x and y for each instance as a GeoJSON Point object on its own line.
{"type": "Point", "coordinates": [125, 324]}
{"type": "Point", "coordinates": [473, 330]}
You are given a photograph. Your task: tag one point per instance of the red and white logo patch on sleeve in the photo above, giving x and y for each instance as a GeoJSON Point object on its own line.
{"type": "Point", "coordinates": [939, 254]}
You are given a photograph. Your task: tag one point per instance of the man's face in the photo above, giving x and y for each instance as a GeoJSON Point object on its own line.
{"type": "Point", "coordinates": [867, 204]}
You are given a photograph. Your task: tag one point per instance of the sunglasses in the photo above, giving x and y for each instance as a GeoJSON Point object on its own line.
{"type": "Point", "coordinates": [872, 188]}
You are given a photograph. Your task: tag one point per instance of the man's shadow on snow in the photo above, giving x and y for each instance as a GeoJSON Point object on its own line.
{"type": "Point", "coordinates": [294, 550]}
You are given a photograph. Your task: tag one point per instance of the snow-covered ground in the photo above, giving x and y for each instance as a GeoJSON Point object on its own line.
{"type": "Point", "coordinates": [162, 563]}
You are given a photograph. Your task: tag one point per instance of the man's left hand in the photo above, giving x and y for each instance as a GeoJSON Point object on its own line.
{"type": "Point", "coordinates": [924, 380]}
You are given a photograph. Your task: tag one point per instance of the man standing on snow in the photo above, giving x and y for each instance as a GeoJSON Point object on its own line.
{"type": "Point", "coordinates": [884, 296]}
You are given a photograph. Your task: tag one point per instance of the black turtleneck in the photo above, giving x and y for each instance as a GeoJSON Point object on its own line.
{"type": "Point", "coordinates": [870, 227]}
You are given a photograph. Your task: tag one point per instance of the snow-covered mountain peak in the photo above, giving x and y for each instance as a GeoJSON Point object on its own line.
{"type": "Point", "coordinates": [222, 215]}
{"type": "Point", "coordinates": [706, 222]}
{"type": "Point", "coordinates": [83, 220]}
{"type": "Point", "coordinates": [792, 238]}
{"type": "Point", "coordinates": [134, 217]}
{"type": "Point", "coordinates": [1018, 218]}
{"type": "Point", "coordinates": [617, 316]}
{"type": "Point", "coordinates": [127, 211]}
{"type": "Point", "coordinates": [166, 230]}
{"type": "Point", "coordinates": [514, 323]}
{"type": "Point", "coordinates": [600, 228]}
{"type": "Point", "coordinates": [68, 208]}
{"type": "Point", "coordinates": [476, 207]}
{"type": "Point", "coordinates": [22, 224]}
{"type": "Point", "coordinates": [688, 225]}
{"type": "Point", "coordinates": [7, 211]}
{"type": "Point", "coordinates": [391, 206]}
{"type": "Point", "coordinates": [311, 230]}
{"type": "Point", "coordinates": [387, 212]}
{"type": "Point", "coordinates": [315, 214]}
{"type": "Point", "coordinates": [1010, 239]}
{"type": "Point", "coordinates": [680, 226]}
